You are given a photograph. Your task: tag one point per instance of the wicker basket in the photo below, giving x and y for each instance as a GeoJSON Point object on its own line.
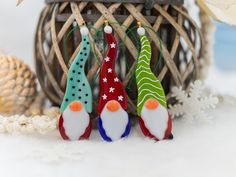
{"type": "Point", "coordinates": [180, 37]}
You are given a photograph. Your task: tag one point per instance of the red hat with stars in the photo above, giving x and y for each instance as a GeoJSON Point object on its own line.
{"type": "Point", "coordinates": [111, 88]}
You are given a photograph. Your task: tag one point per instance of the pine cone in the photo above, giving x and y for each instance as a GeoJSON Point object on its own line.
{"type": "Point", "coordinates": [17, 86]}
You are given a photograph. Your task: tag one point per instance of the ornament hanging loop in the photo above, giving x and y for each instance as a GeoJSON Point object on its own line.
{"type": "Point", "coordinates": [106, 22]}
{"type": "Point", "coordinates": [83, 23]}
{"type": "Point", "coordinates": [139, 24]}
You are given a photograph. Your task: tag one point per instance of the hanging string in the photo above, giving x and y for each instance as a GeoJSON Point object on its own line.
{"type": "Point", "coordinates": [161, 47]}
{"type": "Point", "coordinates": [139, 45]}
{"type": "Point", "coordinates": [122, 44]}
{"type": "Point", "coordinates": [130, 31]}
{"type": "Point", "coordinates": [97, 31]}
{"type": "Point", "coordinates": [66, 40]}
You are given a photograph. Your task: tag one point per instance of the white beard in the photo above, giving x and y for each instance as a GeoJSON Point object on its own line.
{"type": "Point", "coordinates": [114, 123]}
{"type": "Point", "coordinates": [75, 123]}
{"type": "Point", "coordinates": [156, 121]}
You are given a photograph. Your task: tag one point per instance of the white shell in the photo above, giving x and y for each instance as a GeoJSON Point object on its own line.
{"type": "Point", "coordinates": [84, 30]}
{"type": "Point", "coordinates": [108, 29]}
{"type": "Point", "coordinates": [141, 31]}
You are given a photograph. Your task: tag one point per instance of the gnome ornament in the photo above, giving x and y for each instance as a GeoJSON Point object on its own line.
{"type": "Point", "coordinates": [75, 122]}
{"type": "Point", "coordinates": [114, 122]}
{"type": "Point", "coordinates": [155, 121]}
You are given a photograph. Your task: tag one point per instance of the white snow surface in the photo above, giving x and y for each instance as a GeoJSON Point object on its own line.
{"type": "Point", "coordinates": [198, 149]}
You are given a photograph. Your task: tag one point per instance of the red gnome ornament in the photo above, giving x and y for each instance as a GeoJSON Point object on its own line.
{"type": "Point", "coordinates": [114, 122]}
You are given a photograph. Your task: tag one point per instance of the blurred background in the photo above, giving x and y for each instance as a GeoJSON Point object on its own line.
{"type": "Point", "coordinates": [225, 47]}
{"type": "Point", "coordinates": [17, 35]}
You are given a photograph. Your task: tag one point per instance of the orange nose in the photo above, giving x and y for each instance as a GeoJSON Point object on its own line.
{"type": "Point", "coordinates": [113, 106]}
{"type": "Point", "coordinates": [76, 106]}
{"type": "Point", "coordinates": [151, 104]}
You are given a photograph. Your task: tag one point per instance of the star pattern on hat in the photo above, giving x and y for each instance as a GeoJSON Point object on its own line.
{"type": "Point", "coordinates": [107, 59]}
{"type": "Point", "coordinates": [116, 79]}
{"type": "Point", "coordinates": [104, 80]}
{"type": "Point", "coordinates": [111, 89]}
{"type": "Point", "coordinates": [104, 97]}
{"type": "Point", "coordinates": [113, 45]}
{"type": "Point", "coordinates": [120, 98]}
{"type": "Point", "coordinates": [109, 70]}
